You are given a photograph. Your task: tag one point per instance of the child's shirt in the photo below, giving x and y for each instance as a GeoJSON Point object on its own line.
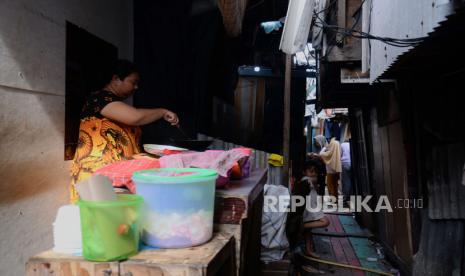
{"type": "Point", "coordinates": [316, 211]}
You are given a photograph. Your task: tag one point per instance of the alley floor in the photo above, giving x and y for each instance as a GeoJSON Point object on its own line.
{"type": "Point", "coordinates": [343, 242]}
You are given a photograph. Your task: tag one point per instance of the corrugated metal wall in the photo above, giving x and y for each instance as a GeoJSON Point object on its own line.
{"type": "Point", "coordinates": [442, 251]}
{"type": "Point", "coordinates": [446, 194]}
{"type": "Point", "coordinates": [401, 19]}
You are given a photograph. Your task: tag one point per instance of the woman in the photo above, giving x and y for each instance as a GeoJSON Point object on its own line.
{"type": "Point", "coordinates": [109, 129]}
{"type": "Point", "coordinates": [331, 155]}
{"type": "Point", "coordinates": [346, 170]}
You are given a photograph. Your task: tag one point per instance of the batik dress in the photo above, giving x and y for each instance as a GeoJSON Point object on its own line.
{"type": "Point", "coordinates": [101, 141]}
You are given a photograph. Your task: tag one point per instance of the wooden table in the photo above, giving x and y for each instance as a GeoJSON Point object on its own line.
{"type": "Point", "coordinates": [217, 257]}
{"type": "Point", "coordinates": [240, 205]}
{"type": "Point", "coordinates": [238, 213]}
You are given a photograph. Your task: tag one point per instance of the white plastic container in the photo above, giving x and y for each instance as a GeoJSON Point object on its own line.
{"type": "Point", "coordinates": [67, 230]}
{"type": "Point", "coordinates": [178, 206]}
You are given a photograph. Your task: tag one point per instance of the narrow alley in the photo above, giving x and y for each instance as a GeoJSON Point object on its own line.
{"type": "Point", "coordinates": [232, 137]}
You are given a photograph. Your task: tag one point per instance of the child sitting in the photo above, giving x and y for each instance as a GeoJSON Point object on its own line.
{"type": "Point", "coordinates": [315, 217]}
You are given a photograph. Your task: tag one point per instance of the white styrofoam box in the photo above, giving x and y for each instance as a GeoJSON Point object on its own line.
{"type": "Point", "coordinates": [67, 230]}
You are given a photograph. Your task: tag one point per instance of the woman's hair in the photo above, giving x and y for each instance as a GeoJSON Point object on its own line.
{"type": "Point", "coordinates": [312, 164]}
{"type": "Point", "coordinates": [123, 68]}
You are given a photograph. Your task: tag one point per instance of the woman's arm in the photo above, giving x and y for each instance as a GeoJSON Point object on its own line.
{"type": "Point", "coordinates": [129, 115]}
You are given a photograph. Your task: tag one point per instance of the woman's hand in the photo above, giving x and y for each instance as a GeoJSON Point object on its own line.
{"type": "Point", "coordinates": [171, 117]}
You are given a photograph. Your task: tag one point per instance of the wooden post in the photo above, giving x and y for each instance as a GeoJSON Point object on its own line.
{"type": "Point", "coordinates": [365, 43]}
{"type": "Point", "coordinates": [341, 17]}
{"type": "Point", "coordinates": [287, 119]}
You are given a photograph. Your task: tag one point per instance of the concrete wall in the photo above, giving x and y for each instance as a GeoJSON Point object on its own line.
{"type": "Point", "coordinates": [34, 176]}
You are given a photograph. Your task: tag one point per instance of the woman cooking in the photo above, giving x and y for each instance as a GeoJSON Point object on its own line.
{"type": "Point", "coordinates": [109, 129]}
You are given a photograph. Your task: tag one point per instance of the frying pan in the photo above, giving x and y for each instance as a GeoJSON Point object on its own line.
{"type": "Point", "coordinates": [197, 145]}
{"type": "Point", "coordinates": [192, 144]}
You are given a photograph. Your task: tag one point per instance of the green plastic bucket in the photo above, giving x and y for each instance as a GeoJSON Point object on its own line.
{"type": "Point", "coordinates": [110, 229]}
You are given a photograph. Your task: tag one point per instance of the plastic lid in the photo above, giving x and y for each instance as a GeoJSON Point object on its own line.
{"type": "Point", "coordinates": [174, 174]}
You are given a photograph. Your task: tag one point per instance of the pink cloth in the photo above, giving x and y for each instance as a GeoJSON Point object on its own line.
{"type": "Point", "coordinates": [218, 160]}
{"type": "Point", "coordinates": [120, 173]}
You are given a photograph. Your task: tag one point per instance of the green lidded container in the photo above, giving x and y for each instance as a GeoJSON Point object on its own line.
{"type": "Point", "coordinates": [110, 229]}
{"type": "Point", "coordinates": [179, 205]}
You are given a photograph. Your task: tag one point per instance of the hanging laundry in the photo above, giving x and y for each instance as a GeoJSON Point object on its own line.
{"type": "Point", "coordinates": [271, 26]}
{"type": "Point", "coordinates": [328, 127]}
{"type": "Point", "coordinates": [276, 160]}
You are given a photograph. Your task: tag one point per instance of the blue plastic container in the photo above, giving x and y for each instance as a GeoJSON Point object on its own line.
{"type": "Point", "coordinates": [178, 206]}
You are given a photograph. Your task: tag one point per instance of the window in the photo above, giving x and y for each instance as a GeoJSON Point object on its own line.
{"type": "Point", "coordinates": [87, 62]}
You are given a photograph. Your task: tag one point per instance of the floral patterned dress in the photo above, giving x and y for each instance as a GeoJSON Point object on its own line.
{"type": "Point", "coordinates": [101, 140]}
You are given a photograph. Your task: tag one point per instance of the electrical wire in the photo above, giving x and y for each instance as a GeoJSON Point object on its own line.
{"type": "Point", "coordinates": [398, 42]}
{"type": "Point", "coordinates": [352, 32]}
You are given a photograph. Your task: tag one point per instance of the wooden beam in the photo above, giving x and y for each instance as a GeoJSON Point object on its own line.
{"type": "Point", "coordinates": [287, 119]}
{"type": "Point", "coordinates": [341, 17]}
{"type": "Point", "coordinates": [366, 17]}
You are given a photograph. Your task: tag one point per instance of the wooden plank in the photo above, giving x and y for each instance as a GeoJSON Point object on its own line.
{"type": "Point", "coordinates": [402, 230]}
{"type": "Point", "coordinates": [232, 203]}
{"type": "Point", "coordinates": [339, 251]}
{"type": "Point", "coordinates": [353, 251]}
{"type": "Point", "coordinates": [331, 226]}
{"type": "Point", "coordinates": [205, 259]}
{"type": "Point", "coordinates": [229, 267]}
{"type": "Point", "coordinates": [224, 263]}
{"type": "Point", "coordinates": [281, 265]}
{"type": "Point", "coordinates": [350, 225]}
{"type": "Point", "coordinates": [200, 255]}
{"type": "Point", "coordinates": [388, 221]}
{"type": "Point", "coordinates": [260, 108]}
{"type": "Point", "coordinates": [352, 47]}
{"type": "Point", "coordinates": [324, 248]}
{"type": "Point", "coordinates": [247, 188]}
{"type": "Point", "coordinates": [364, 250]}
{"type": "Point", "coordinates": [287, 119]}
{"type": "Point", "coordinates": [351, 257]}
{"type": "Point", "coordinates": [365, 43]}
{"type": "Point", "coordinates": [238, 100]}
{"type": "Point", "coordinates": [236, 231]}
{"type": "Point", "coordinates": [341, 17]}
{"type": "Point", "coordinates": [251, 239]}
{"type": "Point", "coordinates": [322, 232]}
{"type": "Point", "coordinates": [52, 263]}
{"type": "Point", "coordinates": [142, 269]}
{"type": "Point", "coordinates": [242, 203]}
{"type": "Point", "coordinates": [335, 223]}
